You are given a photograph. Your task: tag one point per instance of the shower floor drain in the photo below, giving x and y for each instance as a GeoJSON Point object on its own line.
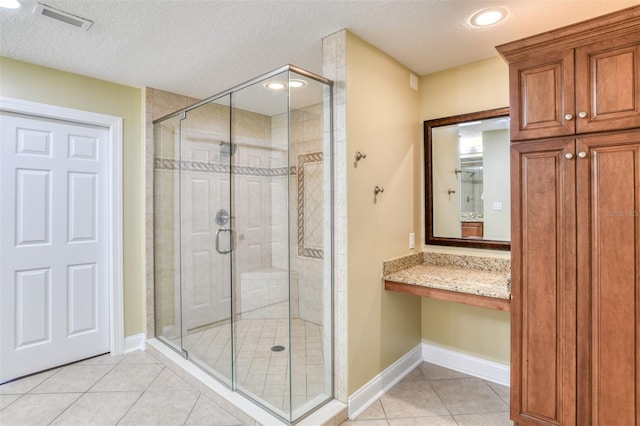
{"type": "Point", "coordinates": [277, 348]}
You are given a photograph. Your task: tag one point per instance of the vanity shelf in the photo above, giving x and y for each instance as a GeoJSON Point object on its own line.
{"type": "Point", "coordinates": [460, 279]}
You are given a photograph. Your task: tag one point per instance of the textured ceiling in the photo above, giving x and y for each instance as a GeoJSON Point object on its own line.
{"type": "Point", "coordinates": [199, 48]}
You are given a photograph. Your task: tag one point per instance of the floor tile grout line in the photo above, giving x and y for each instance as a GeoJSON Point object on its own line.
{"type": "Point", "coordinates": [496, 392]}
{"type": "Point", "coordinates": [58, 370]}
{"type": "Point", "coordinates": [63, 411]}
{"type": "Point", "coordinates": [129, 409]}
{"type": "Point", "coordinates": [383, 410]}
{"type": "Point", "coordinates": [440, 398]}
{"type": "Point", "coordinates": [21, 395]}
{"type": "Point", "coordinates": [192, 408]}
{"type": "Point", "coordinates": [103, 376]}
{"type": "Point", "coordinates": [141, 393]}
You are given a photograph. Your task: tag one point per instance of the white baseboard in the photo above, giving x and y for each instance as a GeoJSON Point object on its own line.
{"type": "Point", "coordinates": [468, 364]}
{"type": "Point", "coordinates": [135, 343]}
{"type": "Point", "coordinates": [369, 393]}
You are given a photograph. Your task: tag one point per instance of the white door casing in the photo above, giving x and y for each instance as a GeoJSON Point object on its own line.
{"type": "Point", "coordinates": [60, 240]}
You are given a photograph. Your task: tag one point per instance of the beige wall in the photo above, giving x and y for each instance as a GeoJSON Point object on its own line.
{"type": "Point", "coordinates": [446, 207]}
{"type": "Point", "coordinates": [34, 83]}
{"type": "Point", "coordinates": [496, 185]}
{"type": "Point", "coordinates": [383, 122]}
{"type": "Point", "coordinates": [477, 331]}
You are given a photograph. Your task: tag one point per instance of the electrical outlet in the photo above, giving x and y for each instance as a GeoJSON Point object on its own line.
{"type": "Point", "coordinates": [497, 205]}
{"type": "Point", "coordinates": [412, 240]}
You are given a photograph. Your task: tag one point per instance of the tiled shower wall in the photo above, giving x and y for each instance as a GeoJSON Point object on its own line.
{"type": "Point", "coordinates": [157, 104]}
{"type": "Point", "coordinates": [334, 67]}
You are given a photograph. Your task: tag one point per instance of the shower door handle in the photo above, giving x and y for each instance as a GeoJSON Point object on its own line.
{"type": "Point", "coordinates": [220, 231]}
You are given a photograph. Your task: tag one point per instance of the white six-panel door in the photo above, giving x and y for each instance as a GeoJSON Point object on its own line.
{"type": "Point", "coordinates": [54, 290]}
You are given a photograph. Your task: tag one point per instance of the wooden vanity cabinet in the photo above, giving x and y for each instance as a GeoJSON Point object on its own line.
{"type": "Point", "coordinates": [472, 229]}
{"type": "Point", "coordinates": [608, 279]}
{"type": "Point", "coordinates": [575, 237]}
{"type": "Point", "coordinates": [575, 270]}
{"type": "Point", "coordinates": [575, 85]}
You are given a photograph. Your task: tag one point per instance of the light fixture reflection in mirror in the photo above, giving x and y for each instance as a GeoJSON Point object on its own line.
{"type": "Point", "coordinates": [468, 154]}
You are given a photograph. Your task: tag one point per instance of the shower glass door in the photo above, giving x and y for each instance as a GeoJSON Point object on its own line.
{"type": "Point", "coordinates": [206, 237]}
{"type": "Point", "coordinates": [282, 266]}
{"type": "Point", "coordinates": [259, 127]}
{"type": "Point", "coordinates": [243, 244]}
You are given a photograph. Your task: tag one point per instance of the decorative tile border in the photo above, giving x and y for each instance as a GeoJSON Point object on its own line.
{"type": "Point", "coordinates": [305, 251]}
{"type": "Point", "coordinates": [216, 167]}
{"type": "Point", "coordinates": [213, 167]}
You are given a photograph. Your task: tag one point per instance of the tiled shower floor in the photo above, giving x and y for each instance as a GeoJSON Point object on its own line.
{"type": "Point", "coordinates": [260, 371]}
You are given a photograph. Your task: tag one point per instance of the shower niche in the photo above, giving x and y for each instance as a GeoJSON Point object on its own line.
{"type": "Point", "coordinates": [243, 241]}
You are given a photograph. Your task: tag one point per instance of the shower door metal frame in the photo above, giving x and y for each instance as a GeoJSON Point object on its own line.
{"type": "Point", "coordinates": [328, 162]}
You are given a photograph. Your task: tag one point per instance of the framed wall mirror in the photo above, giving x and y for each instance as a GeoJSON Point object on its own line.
{"type": "Point", "coordinates": [467, 182]}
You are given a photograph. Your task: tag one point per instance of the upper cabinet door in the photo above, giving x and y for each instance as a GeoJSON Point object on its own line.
{"type": "Point", "coordinates": [542, 96]}
{"type": "Point", "coordinates": [608, 85]}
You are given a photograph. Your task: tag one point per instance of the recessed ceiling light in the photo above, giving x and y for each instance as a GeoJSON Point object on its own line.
{"type": "Point", "coordinates": [275, 85]}
{"type": "Point", "coordinates": [10, 4]}
{"type": "Point", "coordinates": [489, 16]}
{"type": "Point", "coordinates": [297, 83]}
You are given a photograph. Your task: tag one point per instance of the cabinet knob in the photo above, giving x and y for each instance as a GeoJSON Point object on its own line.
{"type": "Point", "coordinates": [568, 117]}
{"type": "Point", "coordinates": [582, 154]}
{"type": "Point", "coordinates": [582, 114]}
{"type": "Point", "coordinates": [568, 156]}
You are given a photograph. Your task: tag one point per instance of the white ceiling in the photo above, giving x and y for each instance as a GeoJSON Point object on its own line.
{"type": "Point", "coordinates": [200, 48]}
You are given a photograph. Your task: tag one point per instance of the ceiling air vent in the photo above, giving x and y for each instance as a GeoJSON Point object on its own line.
{"type": "Point", "coordinates": [62, 16]}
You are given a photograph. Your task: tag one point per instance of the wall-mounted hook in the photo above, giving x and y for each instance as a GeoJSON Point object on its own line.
{"type": "Point", "coordinates": [450, 191]}
{"type": "Point", "coordinates": [360, 156]}
{"type": "Point", "coordinates": [377, 189]}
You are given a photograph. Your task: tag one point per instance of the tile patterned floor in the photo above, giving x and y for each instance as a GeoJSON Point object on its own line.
{"type": "Point", "coordinates": [132, 389]}
{"type": "Point", "coordinates": [136, 389]}
{"type": "Point", "coordinates": [433, 395]}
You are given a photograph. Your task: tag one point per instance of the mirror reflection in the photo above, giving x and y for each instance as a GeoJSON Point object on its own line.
{"type": "Point", "coordinates": [468, 180]}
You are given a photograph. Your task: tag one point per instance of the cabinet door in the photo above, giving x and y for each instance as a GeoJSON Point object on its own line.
{"type": "Point", "coordinates": [543, 306]}
{"type": "Point", "coordinates": [609, 279]}
{"type": "Point", "coordinates": [541, 94]}
{"type": "Point", "coordinates": [608, 84]}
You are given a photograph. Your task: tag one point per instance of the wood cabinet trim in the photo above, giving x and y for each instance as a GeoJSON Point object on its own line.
{"type": "Point", "coordinates": [612, 25]}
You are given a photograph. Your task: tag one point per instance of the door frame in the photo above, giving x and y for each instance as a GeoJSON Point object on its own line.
{"type": "Point", "coordinates": [114, 203]}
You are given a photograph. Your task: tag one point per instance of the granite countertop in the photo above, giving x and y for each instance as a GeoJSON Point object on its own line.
{"type": "Point", "coordinates": [451, 278]}
{"type": "Point", "coordinates": [461, 274]}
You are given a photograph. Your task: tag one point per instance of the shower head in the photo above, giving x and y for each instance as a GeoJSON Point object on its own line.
{"type": "Point", "coordinates": [227, 148]}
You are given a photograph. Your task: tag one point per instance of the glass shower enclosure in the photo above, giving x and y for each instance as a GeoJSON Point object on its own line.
{"type": "Point", "coordinates": [243, 241]}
